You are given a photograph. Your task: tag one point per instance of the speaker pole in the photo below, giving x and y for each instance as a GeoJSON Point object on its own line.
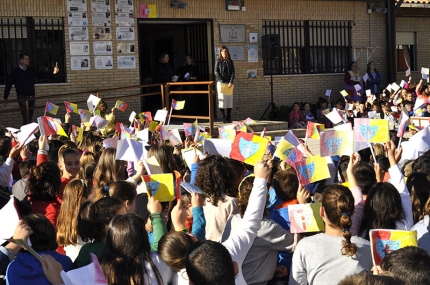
{"type": "Point", "coordinates": [272, 113]}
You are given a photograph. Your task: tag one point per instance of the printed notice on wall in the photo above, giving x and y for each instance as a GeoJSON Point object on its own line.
{"type": "Point", "coordinates": [103, 47]}
{"type": "Point", "coordinates": [79, 48]}
{"type": "Point", "coordinates": [252, 53]}
{"type": "Point", "coordinates": [78, 19]}
{"type": "Point", "coordinates": [124, 19]}
{"type": "Point", "coordinates": [101, 19]}
{"type": "Point", "coordinates": [77, 5]}
{"type": "Point", "coordinates": [103, 62]}
{"type": "Point", "coordinates": [102, 33]}
{"type": "Point", "coordinates": [100, 5]}
{"type": "Point", "coordinates": [80, 62]}
{"type": "Point", "coordinates": [125, 33]}
{"type": "Point", "coordinates": [78, 33]}
{"type": "Point", "coordinates": [126, 62]}
{"type": "Point", "coordinates": [124, 6]}
{"type": "Point", "coordinates": [125, 48]}
{"type": "Point", "coordinates": [232, 33]}
{"type": "Point", "coordinates": [237, 52]}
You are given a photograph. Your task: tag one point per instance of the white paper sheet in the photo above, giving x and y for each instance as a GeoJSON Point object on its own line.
{"type": "Point", "coordinates": [9, 218]}
{"type": "Point", "coordinates": [129, 150]}
{"type": "Point", "coordinates": [217, 146]}
{"type": "Point", "coordinates": [160, 116]}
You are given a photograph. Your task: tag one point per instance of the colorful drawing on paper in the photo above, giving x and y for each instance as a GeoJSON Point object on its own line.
{"type": "Point", "coordinates": [51, 108]}
{"type": "Point", "coordinates": [227, 132]}
{"type": "Point", "coordinates": [291, 138]}
{"type": "Point", "coordinates": [248, 148]}
{"type": "Point", "coordinates": [313, 130]}
{"type": "Point", "coordinates": [305, 218]}
{"type": "Point", "coordinates": [283, 149]}
{"type": "Point", "coordinates": [371, 130]}
{"type": "Point", "coordinates": [306, 169]}
{"type": "Point", "coordinates": [339, 142]}
{"type": "Point", "coordinates": [382, 242]}
{"type": "Point", "coordinates": [178, 105]}
{"type": "Point", "coordinates": [71, 107]}
{"type": "Point", "coordinates": [121, 105]}
{"type": "Point", "coordinates": [160, 186]}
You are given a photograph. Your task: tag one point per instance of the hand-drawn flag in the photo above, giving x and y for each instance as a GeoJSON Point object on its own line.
{"type": "Point", "coordinates": [71, 107]}
{"type": "Point", "coordinates": [190, 129]}
{"type": "Point", "coordinates": [292, 139]}
{"type": "Point", "coordinates": [403, 123]}
{"type": "Point", "coordinates": [371, 130]}
{"type": "Point", "coordinates": [160, 186]}
{"type": "Point", "coordinates": [174, 137]}
{"type": "Point", "coordinates": [121, 105]}
{"type": "Point", "coordinates": [227, 132]}
{"type": "Point", "coordinates": [339, 142]}
{"type": "Point", "coordinates": [307, 169]}
{"type": "Point", "coordinates": [305, 218]}
{"type": "Point", "coordinates": [382, 242]}
{"type": "Point", "coordinates": [178, 105]}
{"type": "Point", "coordinates": [145, 117]}
{"type": "Point", "coordinates": [313, 130]}
{"type": "Point", "coordinates": [51, 108]}
{"type": "Point", "coordinates": [85, 115]}
{"type": "Point", "coordinates": [248, 148]}
{"type": "Point", "coordinates": [48, 126]}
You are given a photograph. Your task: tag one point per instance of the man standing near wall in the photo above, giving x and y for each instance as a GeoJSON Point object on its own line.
{"type": "Point", "coordinates": [24, 78]}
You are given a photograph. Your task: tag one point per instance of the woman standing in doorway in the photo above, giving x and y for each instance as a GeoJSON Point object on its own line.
{"type": "Point", "coordinates": [164, 72]}
{"type": "Point", "coordinates": [224, 72]}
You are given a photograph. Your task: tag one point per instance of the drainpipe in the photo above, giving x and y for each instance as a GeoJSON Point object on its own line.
{"type": "Point", "coordinates": [391, 41]}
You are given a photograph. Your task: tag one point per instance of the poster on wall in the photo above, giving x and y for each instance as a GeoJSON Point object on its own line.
{"type": "Point", "coordinates": [78, 33]}
{"type": "Point", "coordinates": [102, 47]}
{"type": "Point", "coordinates": [103, 62]}
{"type": "Point", "coordinates": [252, 53]}
{"type": "Point", "coordinates": [126, 62]}
{"type": "Point", "coordinates": [102, 33]}
{"type": "Point", "coordinates": [237, 52]}
{"type": "Point", "coordinates": [77, 5]}
{"type": "Point", "coordinates": [100, 5]}
{"type": "Point", "coordinates": [101, 19]}
{"type": "Point", "coordinates": [124, 6]}
{"type": "Point", "coordinates": [124, 19]}
{"type": "Point", "coordinates": [79, 48]}
{"type": "Point", "coordinates": [147, 11]}
{"type": "Point", "coordinates": [125, 48]}
{"type": "Point", "coordinates": [78, 19]}
{"type": "Point", "coordinates": [80, 62]}
{"type": "Point", "coordinates": [125, 33]}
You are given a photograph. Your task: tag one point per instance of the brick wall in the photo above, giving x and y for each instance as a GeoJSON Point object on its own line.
{"type": "Point", "coordinates": [251, 95]}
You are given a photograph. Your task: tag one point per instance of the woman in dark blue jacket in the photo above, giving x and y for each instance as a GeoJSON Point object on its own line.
{"type": "Point", "coordinates": [374, 81]}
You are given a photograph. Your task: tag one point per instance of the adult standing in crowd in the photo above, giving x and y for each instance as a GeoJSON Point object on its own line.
{"type": "Point", "coordinates": [224, 72]}
{"type": "Point", "coordinates": [24, 78]}
{"type": "Point", "coordinates": [374, 81]}
{"type": "Point", "coordinates": [352, 77]}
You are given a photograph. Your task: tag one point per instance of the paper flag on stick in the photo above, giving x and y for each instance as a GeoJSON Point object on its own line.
{"type": "Point", "coordinates": [307, 169]}
{"type": "Point", "coordinates": [305, 218]}
{"type": "Point", "coordinates": [129, 150]}
{"type": "Point", "coordinates": [371, 130]}
{"type": "Point", "coordinates": [48, 126]}
{"type": "Point", "coordinates": [145, 117]}
{"type": "Point", "coordinates": [328, 92]}
{"type": "Point", "coordinates": [313, 130]}
{"type": "Point", "coordinates": [92, 102]}
{"type": "Point", "coordinates": [248, 148]}
{"type": "Point", "coordinates": [334, 116]}
{"type": "Point", "coordinates": [98, 122]}
{"type": "Point", "coordinates": [85, 115]}
{"type": "Point", "coordinates": [227, 132]}
{"type": "Point", "coordinates": [161, 115]}
{"type": "Point", "coordinates": [71, 107]}
{"type": "Point", "coordinates": [291, 138]}
{"type": "Point", "coordinates": [344, 93]}
{"type": "Point", "coordinates": [282, 149]}
{"type": "Point", "coordinates": [403, 122]}
{"type": "Point", "coordinates": [51, 108]}
{"type": "Point", "coordinates": [408, 72]}
{"type": "Point", "coordinates": [424, 70]}
{"type": "Point", "coordinates": [190, 129]}
{"type": "Point", "coordinates": [9, 217]}
{"type": "Point", "coordinates": [174, 137]}
{"type": "Point", "coordinates": [121, 105]}
{"type": "Point", "coordinates": [160, 186]}
{"type": "Point", "coordinates": [382, 242]}
{"type": "Point", "coordinates": [80, 132]}
{"type": "Point", "coordinates": [178, 105]}
{"type": "Point", "coordinates": [337, 143]}
{"type": "Point", "coordinates": [357, 87]}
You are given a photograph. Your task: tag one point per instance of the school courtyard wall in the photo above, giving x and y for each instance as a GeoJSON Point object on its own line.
{"type": "Point", "coordinates": [251, 96]}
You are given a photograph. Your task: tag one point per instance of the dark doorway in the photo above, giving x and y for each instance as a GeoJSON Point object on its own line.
{"type": "Point", "coordinates": [179, 38]}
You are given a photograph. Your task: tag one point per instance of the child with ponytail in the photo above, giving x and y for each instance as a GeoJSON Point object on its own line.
{"type": "Point", "coordinates": [315, 257]}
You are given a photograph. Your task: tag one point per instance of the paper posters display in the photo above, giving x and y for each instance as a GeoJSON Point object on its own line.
{"type": "Point", "coordinates": [102, 47]}
{"type": "Point", "coordinates": [305, 218]}
{"type": "Point", "coordinates": [102, 33]}
{"type": "Point", "coordinates": [79, 48]}
{"type": "Point", "coordinates": [80, 62]}
{"type": "Point", "coordinates": [9, 218]}
{"type": "Point", "coordinates": [78, 33]}
{"type": "Point", "coordinates": [124, 6]}
{"type": "Point", "coordinates": [125, 48]}
{"type": "Point", "coordinates": [101, 19]}
{"type": "Point", "coordinates": [124, 19]}
{"type": "Point", "coordinates": [103, 62]}
{"type": "Point", "coordinates": [252, 53]}
{"type": "Point", "coordinates": [126, 62]}
{"type": "Point", "coordinates": [78, 19]}
{"type": "Point", "coordinates": [125, 33]}
{"type": "Point", "coordinates": [100, 5]}
{"type": "Point", "coordinates": [77, 5]}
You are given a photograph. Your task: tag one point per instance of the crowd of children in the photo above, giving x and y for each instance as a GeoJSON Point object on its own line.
{"type": "Point", "coordinates": [76, 200]}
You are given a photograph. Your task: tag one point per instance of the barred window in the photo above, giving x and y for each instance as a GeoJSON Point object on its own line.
{"type": "Point", "coordinates": [42, 39]}
{"type": "Point", "coordinates": [309, 47]}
